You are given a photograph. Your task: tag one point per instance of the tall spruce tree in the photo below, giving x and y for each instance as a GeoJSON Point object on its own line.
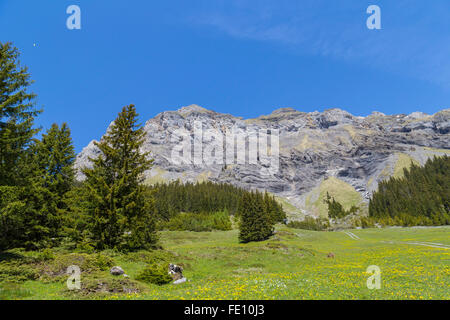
{"type": "Point", "coordinates": [17, 114]}
{"type": "Point", "coordinates": [273, 208]}
{"type": "Point", "coordinates": [34, 215]}
{"type": "Point", "coordinates": [22, 206]}
{"type": "Point", "coordinates": [55, 157]}
{"type": "Point", "coordinates": [120, 214]}
{"type": "Point", "coordinates": [256, 224]}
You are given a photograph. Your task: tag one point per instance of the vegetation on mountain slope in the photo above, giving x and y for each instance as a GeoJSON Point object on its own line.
{"type": "Point", "coordinates": [420, 197]}
{"type": "Point", "coordinates": [341, 191]}
{"type": "Point", "coordinates": [204, 202]}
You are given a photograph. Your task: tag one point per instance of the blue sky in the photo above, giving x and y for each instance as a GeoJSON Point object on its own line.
{"type": "Point", "coordinates": [241, 57]}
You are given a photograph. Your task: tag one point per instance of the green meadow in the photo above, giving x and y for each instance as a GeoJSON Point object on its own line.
{"type": "Point", "coordinates": [293, 264]}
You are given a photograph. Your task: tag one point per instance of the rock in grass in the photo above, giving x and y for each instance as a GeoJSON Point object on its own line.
{"type": "Point", "coordinates": [116, 271]}
{"type": "Point", "coordinates": [180, 281]}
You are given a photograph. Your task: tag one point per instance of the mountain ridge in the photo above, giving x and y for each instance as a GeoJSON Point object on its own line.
{"type": "Point", "coordinates": [320, 152]}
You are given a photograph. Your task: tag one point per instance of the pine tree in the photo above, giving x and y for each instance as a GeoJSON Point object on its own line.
{"type": "Point", "coordinates": [273, 208]}
{"type": "Point", "coordinates": [17, 114]}
{"type": "Point", "coordinates": [54, 157]}
{"type": "Point", "coordinates": [33, 218]}
{"type": "Point", "coordinates": [24, 200]}
{"type": "Point", "coordinates": [255, 224]}
{"type": "Point", "coordinates": [120, 214]}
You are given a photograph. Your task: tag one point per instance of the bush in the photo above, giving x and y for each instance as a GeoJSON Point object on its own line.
{"type": "Point", "coordinates": [156, 274]}
{"type": "Point", "coordinates": [17, 265]}
{"type": "Point", "coordinates": [46, 255]}
{"type": "Point", "coordinates": [85, 247]}
{"type": "Point", "coordinates": [367, 222]}
{"type": "Point", "coordinates": [103, 262]}
{"type": "Point", "coordinates": [198, 222]}
{"type": "Point", "coordinates": [310, 223]}
{"type": "Point", "coordinates": [87, 263]}
{"type": "Point", "coordinates": [16, 272]}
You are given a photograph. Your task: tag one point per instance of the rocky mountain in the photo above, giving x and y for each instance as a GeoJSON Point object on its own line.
{"type": "Point", "coordinates": [319, 152]}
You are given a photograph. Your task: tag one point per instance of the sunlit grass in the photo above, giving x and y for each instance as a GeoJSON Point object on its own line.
{"type": "Point", "coordinates": [291, 265]}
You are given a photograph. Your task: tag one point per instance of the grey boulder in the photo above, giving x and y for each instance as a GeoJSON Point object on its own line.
{"type": "Point", "coordinates": [117, 271]}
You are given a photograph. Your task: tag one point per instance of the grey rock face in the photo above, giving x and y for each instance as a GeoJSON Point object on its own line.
{"type": "Point", "coordinates": [317, 150]}
{"type": "Point", "coordinates": [117, 271]}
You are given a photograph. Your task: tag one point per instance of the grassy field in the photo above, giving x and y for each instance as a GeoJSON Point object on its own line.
{"type": "Point", "coordinates": [414, 263]}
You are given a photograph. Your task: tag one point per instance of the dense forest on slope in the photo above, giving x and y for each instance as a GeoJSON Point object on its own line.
{"type": "Point", "coordinates": [421, 197]}
{"type": "Point", "coordinates": [175, 197]}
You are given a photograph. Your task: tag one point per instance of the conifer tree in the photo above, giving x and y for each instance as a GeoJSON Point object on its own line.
{"type": "Point", "coordinates": [24, 200]}
{"type": "Point", "coordinates": [17, 114]}
{"type": "Point", "coordinates": [273, 208]}
{"type": "Point", "coordinates": [255, 224]}
{"type": "Point", "coordinates": [55, 157]}
{"type": "Point", "coordinates": [33, 218]}
{"type": "Point", "coordinates": [120, 214]}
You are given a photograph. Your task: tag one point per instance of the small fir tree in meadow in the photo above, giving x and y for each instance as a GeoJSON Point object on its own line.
{"type": "Point", "coordinates": [256, 224]}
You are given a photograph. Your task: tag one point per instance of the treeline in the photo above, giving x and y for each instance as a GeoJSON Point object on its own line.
{"type": "Point", "coordinates": [175, 197]}
{"type": "Point", "coordinates": [198, 222]}
{"type": "Point", "coordinates": [420, 197]}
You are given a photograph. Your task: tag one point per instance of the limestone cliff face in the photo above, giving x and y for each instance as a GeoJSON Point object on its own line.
{"type": "Point", "coordinates": [331, 151]}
